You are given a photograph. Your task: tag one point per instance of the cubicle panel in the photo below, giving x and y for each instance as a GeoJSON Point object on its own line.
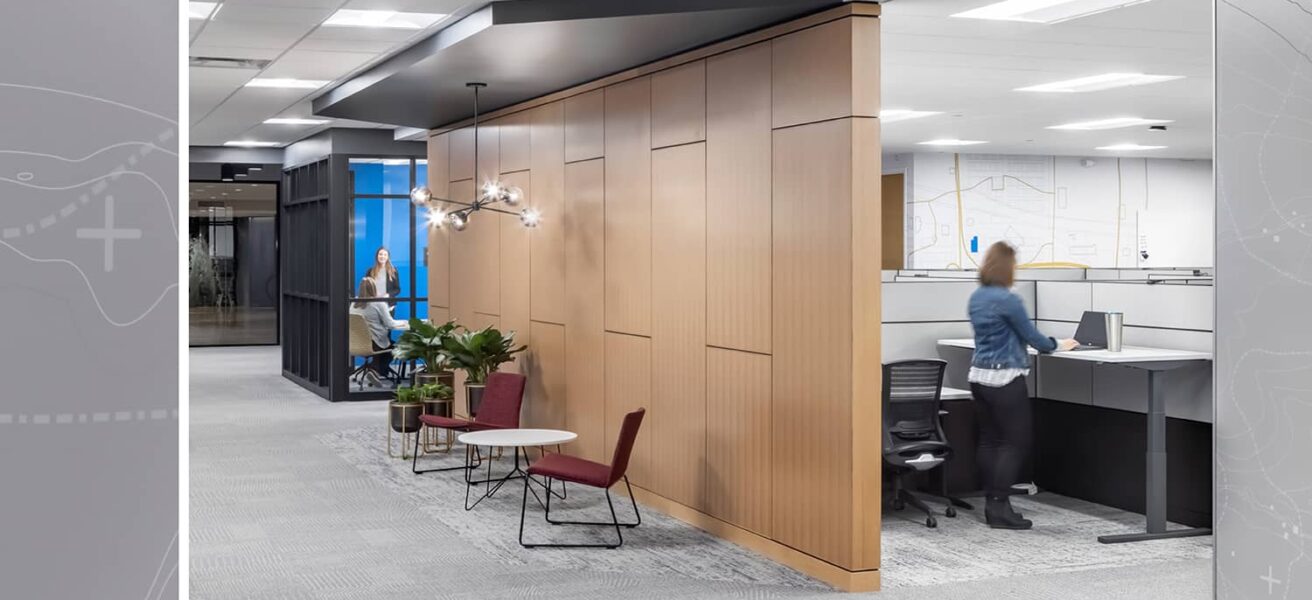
{"type": "Point", "coordinates": [1175, 306]}
{"type": "Point", "coordinates": [1063, 300]}
{"type": "Point", "coordinates": [903, 341]}
{"type": "Point", "coordinates": [1065, 380]}
{"type": "Point", "coordinates": [926, 301]}
{"type": "Point", "coordinates": [1153, 337]}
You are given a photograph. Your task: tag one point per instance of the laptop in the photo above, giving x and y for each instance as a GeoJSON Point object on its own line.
{"type": "Point", "coordinates": [1092, 332]}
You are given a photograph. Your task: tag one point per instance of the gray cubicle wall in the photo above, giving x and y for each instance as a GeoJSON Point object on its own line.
{"type": "Point", "coordinates": [920, 308]}
{"type": "Point", "coordinates": [1162, 315]}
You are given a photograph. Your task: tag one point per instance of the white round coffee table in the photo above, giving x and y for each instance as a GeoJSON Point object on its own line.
{"type": "Point", "coordinates": [518, 439]}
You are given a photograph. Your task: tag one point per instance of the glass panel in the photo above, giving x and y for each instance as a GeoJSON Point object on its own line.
{"type": "Point", "coordinates": [381, 176]}
{"type": "Point", "coordinates": [421, 251]}
{"type": "Point", "coordinates": [232, 264]}
{"type": "Point", "coordinates": [421, 171]}
{"type": "Point", "coordinates": [380, 234]}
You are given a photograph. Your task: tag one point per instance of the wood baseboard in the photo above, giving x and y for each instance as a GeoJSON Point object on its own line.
{"type": "Point", "coordinates": [838, 577]}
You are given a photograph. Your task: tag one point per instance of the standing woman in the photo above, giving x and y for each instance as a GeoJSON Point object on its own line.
{"type": "Point", "coordinates": [384, 276]}
{"type": "Point", "coordinates": [997, 381]}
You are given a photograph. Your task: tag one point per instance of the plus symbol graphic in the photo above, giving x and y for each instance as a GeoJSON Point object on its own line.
{"type": "Point", "coordinates": [1270, 580]}
{"type": "Point", "coordinates": [109, 234]}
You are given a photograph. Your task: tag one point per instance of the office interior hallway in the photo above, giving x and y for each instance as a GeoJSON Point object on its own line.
{"type": "Point", "coordinates": [277, 513]}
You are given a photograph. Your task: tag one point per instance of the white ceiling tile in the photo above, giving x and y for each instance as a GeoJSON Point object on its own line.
{"type": "Point", "coordinates": [261, 13]}
{"type": "Point", "coordinates": [312, 64]}
{"type": "Point", "coordinates": [244, 34]}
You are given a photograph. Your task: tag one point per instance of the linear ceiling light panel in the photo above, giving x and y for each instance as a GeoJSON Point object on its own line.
{"type": "Point", "coordinates": [272, 82]}
{"type": "Point", "coordinates": [389, 19]}
{"type": "Point", "coordinates": [952, 142]}
{"type": "Point", "coordinates": [294, 121]}
{"type": "Point", "coordinates": [1128, 147]}
{"type": "Point", "coordinates": [250, 144]}
{"type": "Point", "coordinates": [1113, 123]}
{"type": "Point", "coordinates": [1044, 11]}
{"type": "Point", "coordinates": [893, 115]}
{"type": "Point", "coordinates": [202, 10]}
{"type": "Point", "coordinates": [1096, 83]}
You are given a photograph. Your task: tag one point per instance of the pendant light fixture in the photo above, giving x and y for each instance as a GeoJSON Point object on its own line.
{"type": "Point", "coordinates": [490, 193]}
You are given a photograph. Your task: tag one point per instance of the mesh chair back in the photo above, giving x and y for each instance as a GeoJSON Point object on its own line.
{"type": "Point", "coordinates": [619, 463]}
{"type": "Point", "coordinates": [911, 400]}
{"type": "Point", "coordinates": [358, 341]}
{"type": "Point", "coordinates": [501, 400]}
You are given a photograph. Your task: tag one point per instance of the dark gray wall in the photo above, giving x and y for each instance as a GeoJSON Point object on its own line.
{"type": "Point", "coordinates": [1264, 299]}
{"type": "Point", "coordinates": [257, 262]}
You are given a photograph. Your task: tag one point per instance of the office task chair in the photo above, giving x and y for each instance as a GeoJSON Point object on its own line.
{"type": "Point", "coordinates": [913, 435]}
{"type": "Point", "coordinates": [358, 343]}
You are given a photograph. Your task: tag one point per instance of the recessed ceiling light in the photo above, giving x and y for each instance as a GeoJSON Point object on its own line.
{"type": "Point", "coordinates": [893, 115]}
{"type": "Point", "coordinates": [294, 121]}
{"type": "Point", "coordinates": [1044, 11]}
{"type": "Point", "coordinates": [274, 82]}
{"type": "Point", "coordinates": [250, 144]}
{"type": "Point", "coordinates": [202, 10]}
{"type": "Point", "coordinates": [952, 142]}
{"type": "Point", "coordinates": [1129, 147]}
{"type": "Point", "coordinates": [1113, 123]}
{"type": "Point", "coordinates": [1095, 83]}
{"type": "Point", "coordinates": [382, 18]}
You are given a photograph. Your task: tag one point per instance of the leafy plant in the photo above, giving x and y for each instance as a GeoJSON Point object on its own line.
{"type": "Point", "coordinates": [479, 353]}
{"type": "Point", "coordinates": [425, 342]}
{"type": "Point", "coordinates": [437, 390]}
{"type": "Point", "coordinates": [408, 395]}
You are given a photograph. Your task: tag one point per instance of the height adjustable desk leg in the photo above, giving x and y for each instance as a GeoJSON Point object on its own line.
{"type": "Point", "coordinates": [1155, 483]}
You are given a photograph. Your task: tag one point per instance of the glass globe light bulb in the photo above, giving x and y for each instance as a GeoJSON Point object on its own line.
{"type": "Point", "coordinates": [421, 195]}
{"type": "Point", "coordinates": [512, 195]}
{"type": "Point", "coordinates": [530, 217]}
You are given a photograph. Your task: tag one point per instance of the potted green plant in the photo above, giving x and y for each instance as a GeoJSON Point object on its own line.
{"type": "Point", "coordinates": [436, 398]}
{"type": "Point", "coordinates": [479, 353]}
{"type": "Point", "coordinates": [404, 411]}
{"type": "Point", "coordinates": [424, 342]}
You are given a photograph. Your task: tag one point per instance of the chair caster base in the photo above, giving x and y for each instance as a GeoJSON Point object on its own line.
{"type": "Point", "coordinates": [950, 512]}
{"type": "Point", "coordinates": [931, 522]}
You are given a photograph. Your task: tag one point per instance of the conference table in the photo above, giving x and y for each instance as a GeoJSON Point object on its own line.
{"type": "Point", "coordinates": [1154, 361]}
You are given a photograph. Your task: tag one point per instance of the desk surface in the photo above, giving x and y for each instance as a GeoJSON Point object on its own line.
{"type": "Point", "coordinates": [1128, 354]}
{"type": "Point", "coordinates": [948, 393]}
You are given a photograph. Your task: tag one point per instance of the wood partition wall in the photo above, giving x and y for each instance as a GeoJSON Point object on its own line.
{"type": "Point", "coordinates": [710, 250]}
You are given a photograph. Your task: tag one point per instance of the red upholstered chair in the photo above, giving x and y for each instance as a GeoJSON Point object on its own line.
{"type": "Point", "coordinates": [500, 410]}
{"type": "Point", "coordinates": [591, 474]}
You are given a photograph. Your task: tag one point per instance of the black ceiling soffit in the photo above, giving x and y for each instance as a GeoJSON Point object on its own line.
{"type": "Point", "coordinates": [524, 49]}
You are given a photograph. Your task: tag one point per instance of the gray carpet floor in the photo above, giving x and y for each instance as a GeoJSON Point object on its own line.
{"type": "Point", "coordinates": [292, 497]}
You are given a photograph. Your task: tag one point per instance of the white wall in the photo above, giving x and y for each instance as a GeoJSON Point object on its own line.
{"type": "Point", "coordinates": [1058, 209]}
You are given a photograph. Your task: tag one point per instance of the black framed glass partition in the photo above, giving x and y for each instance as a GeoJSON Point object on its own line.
{"type": "Point", "coordinates": [306, 298]}
{"type": "Point", "coordinates": [387, 243]}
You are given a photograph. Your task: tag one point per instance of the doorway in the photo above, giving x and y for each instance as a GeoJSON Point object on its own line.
{"type": "Point", "coordinates": [232, 266]}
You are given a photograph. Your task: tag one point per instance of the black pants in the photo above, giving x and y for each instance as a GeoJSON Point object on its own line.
{"type": "Point", "coordinates": [381, 363]}
{"type": "Point", "coordinates": [1006, 433]}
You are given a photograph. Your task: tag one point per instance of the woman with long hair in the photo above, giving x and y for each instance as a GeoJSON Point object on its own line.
{"type": "Point", "coordinates": [380, 323]}
{"type": "Point", "coordinates": [997, 381]}
{"type": "Point", "coordinates": [384, 276]}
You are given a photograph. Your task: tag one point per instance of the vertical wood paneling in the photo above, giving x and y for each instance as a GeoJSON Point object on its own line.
{"type": "Point", "coordinates": [865, 62]}
{"type": "Point", "coordinates": [813, 74]}
{"type": "Point", "coordinates": [738, 438]}
{"type": "Point", "coordinates": [544, 365]}
{"type": "Point", "coordinates": [628, 207]}
{"type": "Point", "coordinates": [738, 199]}
{"type": "Point", "coordinates": [866, 372]}
{"type": "Point", "coordinates": [628, 388]}
{"type": "Point", "coordinates": [484, 256]}
{"type": "Point", "coordinates": [462, 153]}
{"type": "Point", "coordinates": [678, 105]}
{"type": "Point", "coordinates": [585, 126]}
{"type": "Point", "coordinates": [515, 263]}
{"type": "Point", "coordinates": [678, 404]}
{"type": "Point", "coordinates": [812, 428]}
{"type": "Point", "coordinates": [515, 142]}
{"type": "Point", "coordinates": [463, 250]}
{"type": "Point", "coordinates": [489, 152]}
{"type": "Point", "coordinates": [548, 246]}
{"type": "Point", "coordinates": [439, 250]}
{"type": "Point", "coordinates": [585, 347]}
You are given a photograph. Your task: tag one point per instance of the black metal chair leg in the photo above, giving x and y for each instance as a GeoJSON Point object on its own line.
{"type": "Point", "coordinates": [614, 522]}
{"type": "Point", "coordinates": [466, 467]}
{"type": "Point", "coordinates": [637, 514]}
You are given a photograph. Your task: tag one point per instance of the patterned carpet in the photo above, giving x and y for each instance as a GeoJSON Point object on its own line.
{"type": "Point", "coordinates": [291, 498]}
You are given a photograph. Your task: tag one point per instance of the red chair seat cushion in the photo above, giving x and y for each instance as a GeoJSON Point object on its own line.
{"type": "Point", "coordinates": [444, 422]}
{"type": "Point", "coordinates": [572, 469]}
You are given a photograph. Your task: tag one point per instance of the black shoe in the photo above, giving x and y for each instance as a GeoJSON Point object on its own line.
{"type": "Point", "coordinates": [999, 515]}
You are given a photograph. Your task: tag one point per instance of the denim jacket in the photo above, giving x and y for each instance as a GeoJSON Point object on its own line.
{"type": "Point", "coordinates": [1002, 329]}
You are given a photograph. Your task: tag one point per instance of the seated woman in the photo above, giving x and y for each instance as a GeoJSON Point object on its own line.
{"type": "Point", "coordinates": [380, 322]}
